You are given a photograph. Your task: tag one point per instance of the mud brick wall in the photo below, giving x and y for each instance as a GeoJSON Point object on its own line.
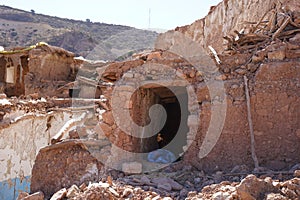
{"type": "Point", "coordinates": [275, 103]}
{"type": "Point", "coordinates": [228, 16]}
{"type": "Point", "coordinates": [49, 69]}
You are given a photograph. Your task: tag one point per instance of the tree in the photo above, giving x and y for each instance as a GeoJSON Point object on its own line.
{"type": "Point", "coordinates": [32, 11]}
{"type": "Point", "coordinates": [88, 20]}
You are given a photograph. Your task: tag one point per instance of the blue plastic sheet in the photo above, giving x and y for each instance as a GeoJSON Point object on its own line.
{"type": "Point", "coordinates": [161, 156]}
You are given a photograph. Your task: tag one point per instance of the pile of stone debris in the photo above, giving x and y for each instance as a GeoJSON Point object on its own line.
{"type": "Point", "coordinates": [275, 37]}
{"type": "Point", "coordinates": [179, 181]}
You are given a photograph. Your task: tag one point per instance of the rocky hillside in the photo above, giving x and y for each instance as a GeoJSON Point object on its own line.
{"type": "Point", "coordinates": [85, 38]}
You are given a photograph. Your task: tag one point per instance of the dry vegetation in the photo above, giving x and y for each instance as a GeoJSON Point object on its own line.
{"type": "Point", "coordinates": [94, 40]}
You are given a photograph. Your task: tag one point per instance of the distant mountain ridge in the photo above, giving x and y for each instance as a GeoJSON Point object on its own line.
{"type": "Point", "coordinates": [98, 41]}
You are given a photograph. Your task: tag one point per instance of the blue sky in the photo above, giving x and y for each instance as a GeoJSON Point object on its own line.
{"type": "Point", "coordinates": [165, 14]}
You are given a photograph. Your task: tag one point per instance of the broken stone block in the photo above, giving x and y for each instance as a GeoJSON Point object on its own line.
{"type": "Point", "coordinates": [132, 167]}
{"type": "Point", "coordinates": [155, 55]}
{"type": "Point", "coordinates": [59, 195]}
{"type": "Point", "coordinates": [72, 191]}
{"type": "Point", "coordinates": [259, 57]}
{"type": "Point", "coordinates": [276, 55]}
{"type": "Point", "coordinates": [297, 173]}
{"type": "Point", "coordinates": [252, 187]}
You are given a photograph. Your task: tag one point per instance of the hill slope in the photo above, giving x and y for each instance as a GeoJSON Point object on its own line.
{"type": "Point", "coordinates": [88, 39]}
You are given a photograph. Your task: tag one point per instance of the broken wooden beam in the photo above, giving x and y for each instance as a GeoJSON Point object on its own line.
{"type": "Point", "coordinates": [281, 28]}
{"type": "Point", "coordinates": [67, 127]}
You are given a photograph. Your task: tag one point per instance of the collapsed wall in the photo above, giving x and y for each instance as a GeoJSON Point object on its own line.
{"type": "Point", "coordinates": [274, 101]}
{"type": "Point", "coordinates": [25, 127]}
{"type": "Point", "coordinates": [40, 69]}
{"type": "Point", "coordinates": [267, 54]}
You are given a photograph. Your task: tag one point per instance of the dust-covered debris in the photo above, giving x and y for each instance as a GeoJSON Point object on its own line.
{"type": "Point", "coordinates": [190, 185]}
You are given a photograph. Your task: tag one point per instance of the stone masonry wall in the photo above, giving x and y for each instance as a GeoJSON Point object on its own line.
{"type": "Point", "coordinates": [228, 16]}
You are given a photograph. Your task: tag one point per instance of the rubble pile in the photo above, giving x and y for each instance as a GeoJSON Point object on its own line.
{"type": "Point", "coordinates": [184, 182]}
{"type": "Point", "coordinates": [251, 187]}
{"type": "Point", "coordinates": [274, 38]}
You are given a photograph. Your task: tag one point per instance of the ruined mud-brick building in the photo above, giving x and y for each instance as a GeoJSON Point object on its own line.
{"type": "Point", "coordinates": [205, 97]}
{"type": "Point", "coordinates": [41, 69]}
{"type": "Point", "coordinates": [230, 99]}
{"type": "Point", "coordinates": [28, 124]}
{"type": "Point", "coordinates": [228, 86]}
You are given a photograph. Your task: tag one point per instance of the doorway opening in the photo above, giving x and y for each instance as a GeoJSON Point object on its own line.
{"type": "Point", "coordinates": [173, 134]}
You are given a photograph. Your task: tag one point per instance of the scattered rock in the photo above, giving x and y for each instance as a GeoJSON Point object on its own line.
{"type": "Point", "coordinates": [297, 173]}
{"type": "Point", "coordinates": [174, 185]}
{"type": "Point", "coordinates": [276, 55]}
{"type": "Point", "coordinates": [164, 186]}
{"type": "Point", "coordinates": [74, 134]}
{"type": "Point", "coordinates": [197, 180]}
{"type": "Point", "coordinates": [72, 191]}
{"type": "Point", "coordinates": [127, 192]}
{"type": "Point", "coordinates": [154, 55]}
{"type": "Point", "coordinates": [3, 96]}
{"type": "Point", "coordinates": [145, 180]}
{"type": "Point", "coordinates": [167, 198]}
{"type": "Point", "coordinates": [82, 187]}
{"type": "Point", "coordinates": [277, 196]}
{"type": "Point", "coordinates": [241, 71]}
{"type": "Point", "coordinates": [220, 196]}
{"type": "Point", "coordinates": [221, 77]}
{"type": "Point", "coordinates": [59, 195]}
{"type": "Point", "coordinates": [253, 188]}
{"type": "Point", "coordinates": [183, 193]}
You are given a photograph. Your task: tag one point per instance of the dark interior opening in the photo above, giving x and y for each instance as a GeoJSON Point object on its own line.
{"type": "Point", "coordinates": [74, 92]}
{"type": "Point", "coordinates": [173, 135]}
{"type": "Point", "coordinates": [2, 69]}
{"type": "Point", "coordinates": [18, 87]}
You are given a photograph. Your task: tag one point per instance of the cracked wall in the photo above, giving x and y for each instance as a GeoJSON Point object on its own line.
{"type": "Point", "coordinates": [21, 140]}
